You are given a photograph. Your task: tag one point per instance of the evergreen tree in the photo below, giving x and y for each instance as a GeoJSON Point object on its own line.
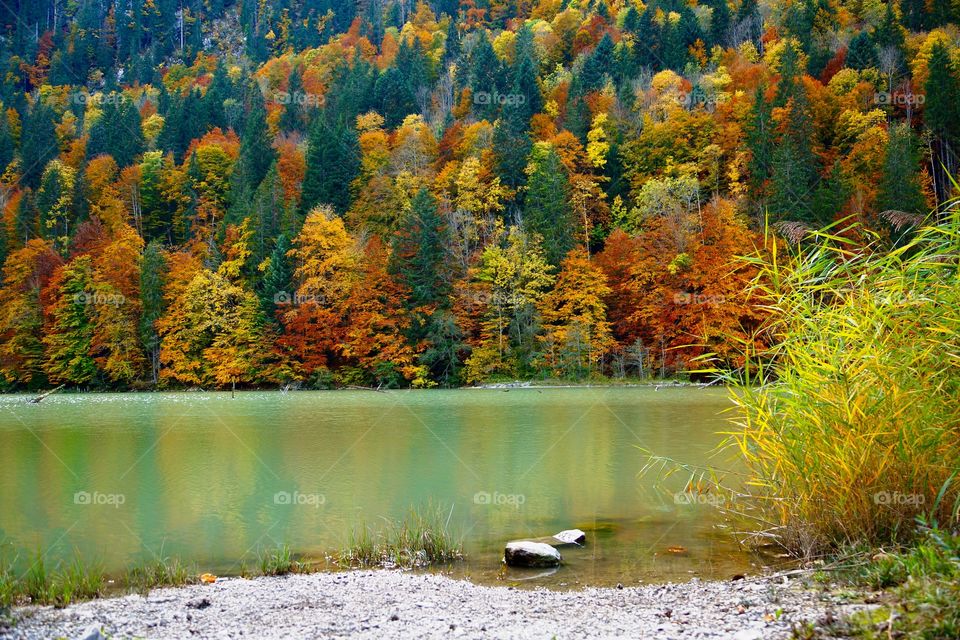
{"type": "Point", "coordinates": [277, 277]}
{"type": "Point", "coordinates": [69, 338]}
{"type": "Point", "coordinates": [862, 53]}
{"type": "Point", "coordinates": [152, 269]}
{"type": "Point", "coordinates": [942, 103]}
{"type": "Point", "coordinates": [419, 259]}
{"type": "Point", "coordinates": [332, 164]}
{"type": "Point", "coordinates": [719, 22]}
{"type": "Point", "coordinates": [830, 197]}
{"type": "Point", "coordinates": [7, 146]}
{"type": "Point", "coordinates": [256, 151]}
{"type": "Point", "coordinates": [117, 132]}
{"type": "Point", "coordinates": [219, 91]}
{"type": "Point", "coordinates": [484, 77]}
{"type": "Point", "coordinates": [294, 114]}
{"type": "Point", "coordinates": [900, 188]}
{"type": "Point", "coordinates": [38, 144]}
{"type": "Point", "coordinates": [547, 210]}
{"type": "Point", "coordinates": [759, 131]}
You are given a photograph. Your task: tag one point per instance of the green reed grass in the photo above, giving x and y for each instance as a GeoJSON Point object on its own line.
{"type": "Point", "coordinates": [422, 538]}
{"type": "Point", "coordinates": [850, 422]}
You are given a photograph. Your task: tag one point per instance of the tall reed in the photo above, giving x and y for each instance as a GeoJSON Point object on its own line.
{"type": "Point", "coordinates": [850, 423]}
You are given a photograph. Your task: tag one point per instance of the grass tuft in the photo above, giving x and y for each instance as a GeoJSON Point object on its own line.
{"type": "Point", "coordinates": [421, 539]}
{"type": "Point", "coordinates": [279, 562]}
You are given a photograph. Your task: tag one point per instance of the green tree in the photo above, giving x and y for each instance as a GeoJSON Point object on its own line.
{"type": "Point", "coordinates": [333, 161]}
{"type": "Point", "coordinates": [547, 210]}
{"type": "Point", "coordinates": [152, 280]}
{"type": "Point", "coordinates": [38, 144]}
{"type": "Point", "coordinates": [900, 188]}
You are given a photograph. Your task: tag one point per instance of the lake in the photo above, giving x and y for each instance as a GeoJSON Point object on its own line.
{"type": "Point", "coordinates": [214, 479]}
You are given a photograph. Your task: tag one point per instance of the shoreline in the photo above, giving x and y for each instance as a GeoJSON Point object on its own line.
{"type": "Point", "coordinates": [667, 383]}
{"type": "Point", "coordinates": [403, 604]}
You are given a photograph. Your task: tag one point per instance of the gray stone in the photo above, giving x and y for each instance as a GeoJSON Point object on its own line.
{"type": "Point", "coordinates": [571, 536]}
{"type": "Point", "coordinates": [92, 633]}
{"type": "Point", "coordinates": [524, 553]}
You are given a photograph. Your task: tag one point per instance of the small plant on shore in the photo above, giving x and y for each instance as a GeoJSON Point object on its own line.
{"type": "Point", "coordinates": [917, 589]}
{"type": "Point", "coordinates": [62, 586]}
{"type": "Point", "coordinates": [279, 562]}
{"type": "Point", "coordinates": [848, 424]}
{"type": "Point", "coordinates": [421, 539]}
{"type": "Point", "coordinates": [163, 572]}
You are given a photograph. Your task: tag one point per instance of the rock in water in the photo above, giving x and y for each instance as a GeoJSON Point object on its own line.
{"type": "Point", "coordinates": [523, 553]}
{"type": "Point", "coordinates": [571, 536]}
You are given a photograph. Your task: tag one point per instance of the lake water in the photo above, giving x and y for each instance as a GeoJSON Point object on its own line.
{"type": "Point", "coordinates": [125, 478]}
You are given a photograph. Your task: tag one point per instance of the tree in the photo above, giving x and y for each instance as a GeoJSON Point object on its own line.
{"type": "Point", "coordinates": [900, 188]}
{"type": "Point", "coordinates": [547, 210]}
{"type": "Point", "coordinates": [38, 144]}
{"type": "Point", "coordinates": [332, 165]}
{"type": "Point", "coordinates": [70, 331]}
{"type": "Point", "coordinates": [576, 332]}
{"type": "Point", "coordinates": [513, 276]}
{"type": "Point", "coordinates": [152, 280]}
{"type": "Point", "coordinates": [55, 200]}
{"type": "Point", "coordinates": [325, 264]}
{"type": "Point", "coordinates": [213, 331]}
{"type": "Point", "coordinates": [374, 338]}
{"type": "Point", "coordinates": [117, 132]}
{"type": "Point", "coordinates": [862, 53]}
{"type": "Point", "coordinates": [256, 152]}
{"type": "Point", "coordinates": [942, 115]}
{"type": "Point", "coordinates": [294, 116]}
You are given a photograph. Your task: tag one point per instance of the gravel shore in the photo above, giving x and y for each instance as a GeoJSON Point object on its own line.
{"type": "Point", "coordinates": [394, 604]}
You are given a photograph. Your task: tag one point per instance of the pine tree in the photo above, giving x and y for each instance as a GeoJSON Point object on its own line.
{"type": "Point", "coordinates": [900, 188]}
{"type": "Point", "coordinates": [419, 258]}
{"type": "Point", "coordinates": [276, 284]}
{"type": "Point", "coordinates": [862, 53]}
{"type": "Point", "coordinates": [759, 137]}
{"type": "Point", "coordinates": [547, 210]}
{"type": "Point", "coordinates": [117, 132]}
{"type": "Point", "coordinates": [719, 22]}
{"type": "Point", "coordinates": [256, 151]}
{"type": "Point", "coordinates": [152, 269]}
{"type": "Point", "coordinates": [294, 116]}
{"type": "Point", "coordinates": [332, 164]}
{"type": "Point", "coordinates": [38, 144]}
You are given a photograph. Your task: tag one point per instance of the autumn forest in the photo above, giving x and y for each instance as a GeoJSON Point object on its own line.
{"type": "Point", "coordinates": [320, 193]}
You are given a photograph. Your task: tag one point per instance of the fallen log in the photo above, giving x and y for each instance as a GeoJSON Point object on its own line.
{"type": "Point", "coordinates": [40, 397]}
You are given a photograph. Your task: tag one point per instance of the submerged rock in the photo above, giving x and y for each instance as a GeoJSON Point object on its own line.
{"type": "Point", "coordinates": [524, 553]}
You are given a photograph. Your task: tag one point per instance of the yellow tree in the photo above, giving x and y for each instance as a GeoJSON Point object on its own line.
{"type": "Point", "coordinates": [576, 331]}
{"type": "Point", "coordinates": [513, 277]}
